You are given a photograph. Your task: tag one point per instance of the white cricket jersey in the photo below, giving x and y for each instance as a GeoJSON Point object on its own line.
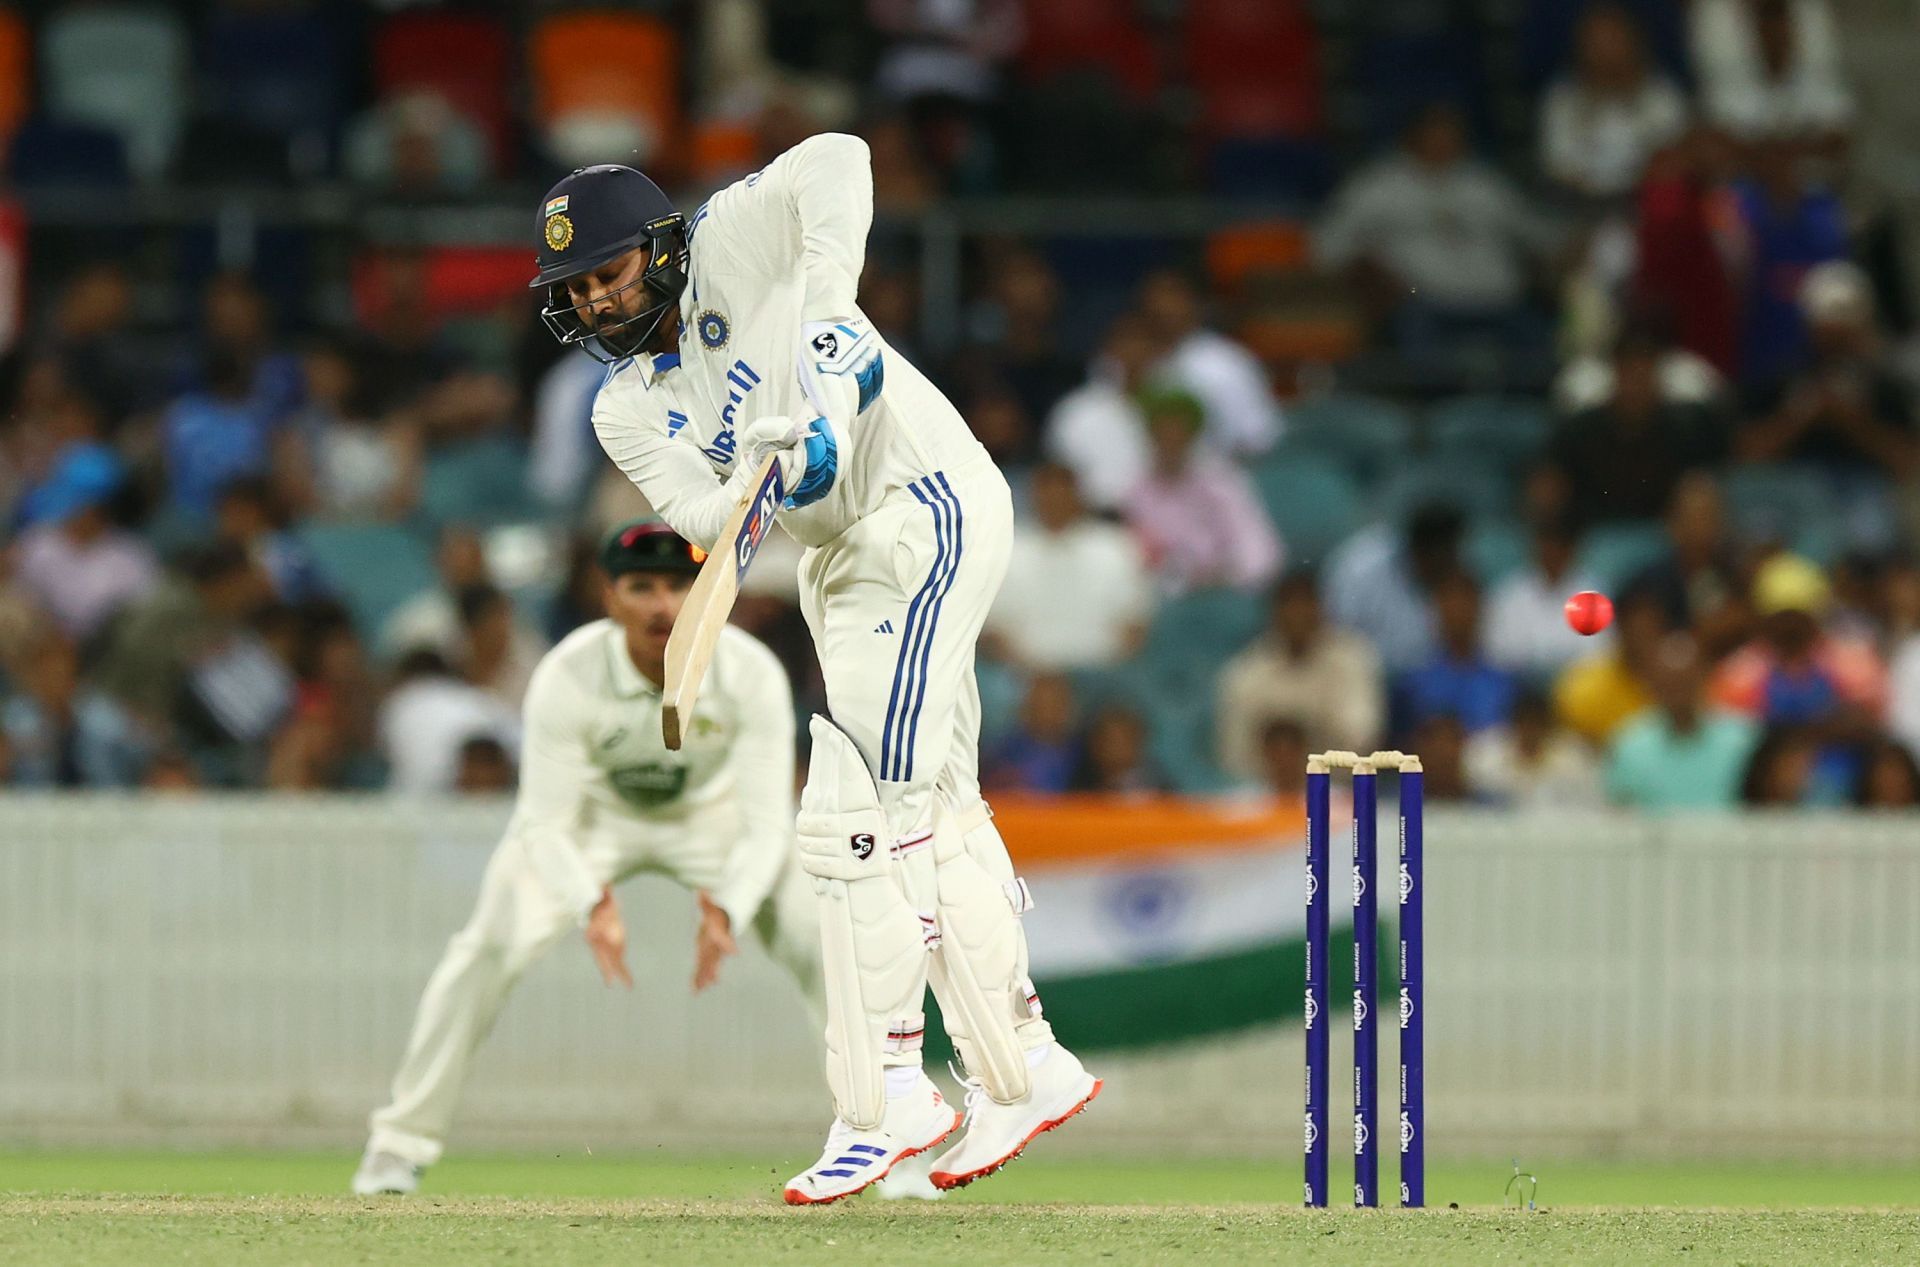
{"type": "Point", "coordinates": [769, 326]}
{"type": "Point", "coordinates": [593, 755]}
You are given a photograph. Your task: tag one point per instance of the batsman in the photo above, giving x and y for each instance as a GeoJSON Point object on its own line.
{"type": "Point", "coordinates": [735, 335]}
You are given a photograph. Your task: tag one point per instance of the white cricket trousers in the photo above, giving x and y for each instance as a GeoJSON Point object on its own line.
{"type": "Point", "coordinates": [517, 920]}
{"type": "Point", "coordinates": [895, 605]}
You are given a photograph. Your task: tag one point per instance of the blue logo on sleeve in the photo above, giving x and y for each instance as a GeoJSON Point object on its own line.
{"type": "Point", "coordinates": [713, 330]}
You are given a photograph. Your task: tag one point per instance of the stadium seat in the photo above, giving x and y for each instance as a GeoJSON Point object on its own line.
{"type": "Point", "coordinates": [1368, 436]}
{"type": "Point", "coordinates": [274, 71]}
{"type": "Point", "coordinates": [16, 75]}
{"type": "Point", "coordinates": [1314, 502]}
{"type": "Point", "coordinates": [1243, 251]}
{"type": "Point", "coordinates": [1495, 549]}
{"type": "Point", "coordinates": [466, 58]}
{"type": "Point", "coordinates": [50, 152]}
{"type": "Point", "coordinates": [376, 567]}
{"type": "Point", "coordinates": [124, 67]}
{"type": "Point", "coordinates": [1613, 554]}
{"type": "Point", "coordinates": [477, 482]}
{"type": "Point", "coordinates": [1510, 432]}
{"type": "Point", "coordinates": [1472, 483]}
{"type": "Point", "coordinates": [1067, 35]}
{"type": "Point", "coordinates": [1180, 740]}
{"type": "Point", "coordinates": [606, 87]}
{"type": "Point", "coordinates": [1193, 633]}
{"type": "Point", "coordinates": [1777, 502]}
{"type": "Point", "coordinates": [1256, 67]}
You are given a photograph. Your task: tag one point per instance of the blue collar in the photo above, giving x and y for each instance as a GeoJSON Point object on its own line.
{"type": "Point", "coordinates": [666, 361]}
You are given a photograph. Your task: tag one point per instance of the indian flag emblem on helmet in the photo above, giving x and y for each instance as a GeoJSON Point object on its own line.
{"type": "Point", "coordinates": [559, 231]}
{"type": "Point", "coordinates": [556, 205]}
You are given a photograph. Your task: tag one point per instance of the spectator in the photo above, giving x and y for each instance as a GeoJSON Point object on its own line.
{"type": "Point", "coordinates": [1379, 586]}
{"type": "Point", "coordinates": [1527, 631]}
{"type": "Point", "coordinates": [1889, 780]}
{"type": "Point", "coordinates": [1283, 759]}
{"type": "Point", "coordinates": [1003, 427]}
{"type": "Point", "coordinates": [430, 620]}
{"type": "Point", "coordinates": [1326, 681]}
{"type": "Point", "coordinates": [347, 464]}
{"type": "Point", "coordinates": [1441, 742]}
{"type": "Point", "coordinates": [76, 563]}
{"type": "Point", "coordinates": [1531, 763]}
{"type": "Point", "coordinates": [187, 663]}
{"type": "Point", "coordinates": [1441, 242]}
{"type": "Point", "coordinates": [1042, 754]}
{"type": "Point", "coordinates": [430, 717]}
{"type": "Point", "coordinates": [236, 331]}
{"type": "Point", "coordinates": [1098, 428]}
{"type": "Point", "coordinates": [1844, 411]}
{"type": "Point", "coordinates": [1587, 381]}
{"type": "Point", "coordinates": [1790, 226]}
{"type": "Point", "coordinates": [338, 697]}
{"type": "Point", "coordinates": [1621, 460]}
{"type": "Point", "coordinates": [1771, 68]}
{"type": "Point", "coordinates": [1782, 771]}
{"type": "Point", "coordinates": [486, 768]}
{"type": "Point", "coordinates": [1794, 672]}
{"type": "Point", "coordinates": [1197, 514]}
{"type": "Point", "coordinates": [496, 660]}
{"type": "Point", "coordinates": [416, 147]}
{"type": "Point", "coordinates": [1595, 695]}
{"type": "Point", "coordinates": [1599, 125]}
{"type": "Point", "coordinates": [1681, 753]}
{"type": "Point", "coordinates": [1019, 342]}
{"type": "Point", "coordinates": [170, 772]}
{"type": "Point", "coordinates": [1114, 759]}
{"type": "Point", "coordinates": [1063, 560]}
{"type": "Point", "coordinates": [1698, 583]}
{"type": "Point", "coordinates": [581, 597]}
{"type": "Point", "coordinates": [565, 454]}
{"type": "Point", "coordinates": [1903, 713]}
{"type": "Point", "coordinates": [1459, 681]}
{"type": "Point", "coordinates": [217, 434]}
{"type": "Point", "coordinates": [249, 515]}
{"type": "Point", "coordinates": [1243, 419]}
{"type": "Point", "coordinates": [61, 733]}
{"type": "Point", "coordinates": [1687, 244]}
{"type": "Point", "coordinates": [89, 339]}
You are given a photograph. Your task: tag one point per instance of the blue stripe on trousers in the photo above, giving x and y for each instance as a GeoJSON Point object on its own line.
{"type": "Point", "coordinates": [916, 643]}
{"type": "Point", "coordinates": [951, 506]}
{"type": "Point", "coordinates": [901, 685]}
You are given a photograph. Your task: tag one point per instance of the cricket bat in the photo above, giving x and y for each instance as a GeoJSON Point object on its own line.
{"type": "Point", "coordinates": [697, 630]}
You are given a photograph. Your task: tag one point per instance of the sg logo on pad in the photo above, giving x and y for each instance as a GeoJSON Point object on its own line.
{"type": "Point", "coordinates": [862, 843]}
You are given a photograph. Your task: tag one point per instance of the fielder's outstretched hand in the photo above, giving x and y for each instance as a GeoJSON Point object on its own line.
{"type": "Point", "coordinates": [607, 939]}
{"type": "Point", "coordinates": [711, 944]}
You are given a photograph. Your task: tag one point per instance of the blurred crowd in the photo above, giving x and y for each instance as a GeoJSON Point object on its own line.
{"type": "Point", "coordinates": [1615, 310]}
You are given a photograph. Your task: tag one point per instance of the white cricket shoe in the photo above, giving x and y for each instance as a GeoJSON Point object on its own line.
{"type": "Point", "coordinates": [854, 1160]}
{"type": "Point", "coordinates": [385, 1173]}
{"type": "Point", "coordinates": [997, 1132]}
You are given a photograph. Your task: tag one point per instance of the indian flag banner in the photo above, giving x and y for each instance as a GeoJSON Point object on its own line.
{"type": "Point", "coordinates": [1160, 920]}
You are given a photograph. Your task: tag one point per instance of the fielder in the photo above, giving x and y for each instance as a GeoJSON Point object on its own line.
{"type": "Point", "coordinates": [600, 799]}
{"type": "Point", "coordinates": [733, 335]}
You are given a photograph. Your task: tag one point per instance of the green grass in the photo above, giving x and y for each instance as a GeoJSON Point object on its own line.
{"type": "Point", "coordinates": [87, 1209]}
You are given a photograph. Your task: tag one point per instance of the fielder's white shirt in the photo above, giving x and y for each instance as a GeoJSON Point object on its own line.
{"type": "Point", "coordinates": [593, 757]}
{"type": "Point", "coordinates": [769, 326]}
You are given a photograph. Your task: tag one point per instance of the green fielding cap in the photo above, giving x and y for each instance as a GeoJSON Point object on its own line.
{"type": "Point", "coordinates": [648, 545]}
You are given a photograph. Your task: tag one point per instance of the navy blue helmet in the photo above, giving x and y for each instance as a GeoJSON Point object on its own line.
{"type": "Point", "coordinates": [593, 217]}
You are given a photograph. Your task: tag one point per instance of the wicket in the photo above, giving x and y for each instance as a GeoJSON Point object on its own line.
{"type": "Point", "coordinates": [1366, 992]}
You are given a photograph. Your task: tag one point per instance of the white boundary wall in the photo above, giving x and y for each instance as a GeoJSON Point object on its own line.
{"type": "Point", "coordinates": [179, 970]}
